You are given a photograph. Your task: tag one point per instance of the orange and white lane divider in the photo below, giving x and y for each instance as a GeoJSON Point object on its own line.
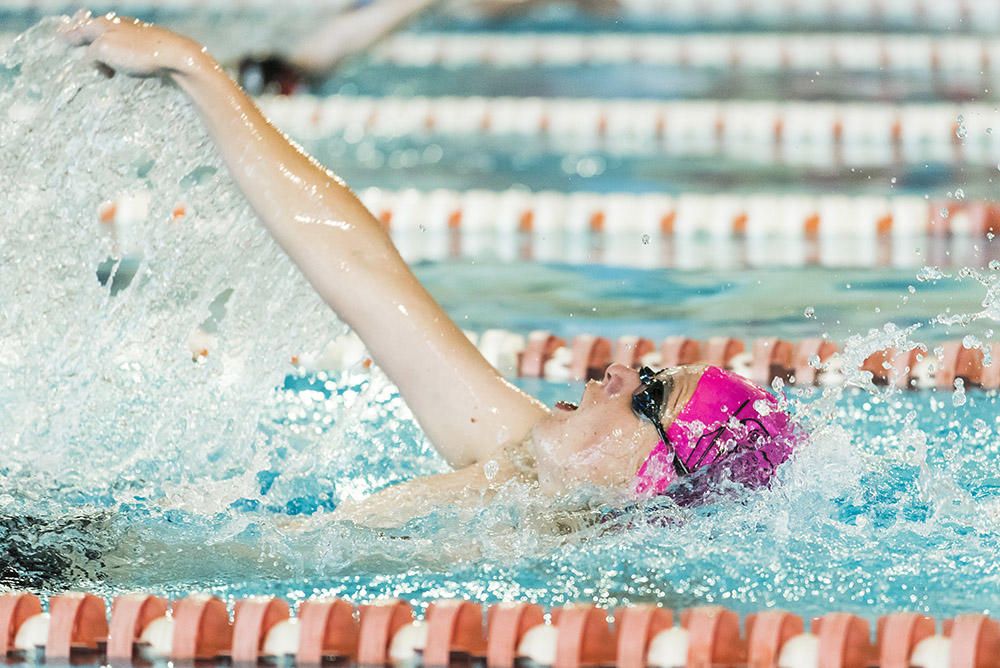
{"type": "Point", "coordinates": [689, 231]}
{"type": "Point", "coordinates": [144, 628]}
{"type": "Point", "coordinates": [806, 363]}
{"type": "Point", "coordinates": [817, 134]}
{"type": "Point", "coordinates": [810, 362]}
{"type": "Point", "coordinates": [747, 52]}
{"type": "Point", "coordinates": [965, 15]}
{"type": "Point", "coordinates": [714, 216]}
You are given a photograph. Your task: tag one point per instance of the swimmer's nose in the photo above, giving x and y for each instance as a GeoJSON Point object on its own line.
{"type": "Point", "coordinates": [619, 379]}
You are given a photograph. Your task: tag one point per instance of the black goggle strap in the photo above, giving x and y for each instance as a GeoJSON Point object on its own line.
{"type": "Point", "coordinates": [650, 405]}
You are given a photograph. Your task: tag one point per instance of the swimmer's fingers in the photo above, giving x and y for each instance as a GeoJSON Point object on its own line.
{"type": "Point", "coordinates": [131, 46]}
{"type": "Point", "coordinates": [83, 29]}
{"type": "Point", "coordinates": [138, 53]}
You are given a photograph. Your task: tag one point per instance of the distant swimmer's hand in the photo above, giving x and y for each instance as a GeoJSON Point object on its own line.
{"type": "Point", "coordinates": [130, 46]}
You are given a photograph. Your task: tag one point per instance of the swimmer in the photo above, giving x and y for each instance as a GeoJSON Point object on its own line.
{"type": "Point", "coordinates": [336, 39]}
{"type": "Point", "coordinates": [635, 431]}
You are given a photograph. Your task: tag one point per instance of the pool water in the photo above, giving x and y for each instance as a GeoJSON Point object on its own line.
{"type": "Point", "coordinates": [699, 17]}
{"type": "Point", "coordinates": [901, 517]}
{"type": "Point", "coordinates": [898, 496]}
{"type": "Point", "coordinates": [571, 165]}
{"type": "Point", "coordinates": [639, 81]}
{"type": "Point", "coordinates": [128, 467]}
{"type": "Point", "coordinates": [570, 299]}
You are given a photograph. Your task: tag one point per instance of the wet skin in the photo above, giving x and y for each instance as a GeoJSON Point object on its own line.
{"type": "Point", "coordinates": [472, 415]}
{"type": "Point", "coordinates": [603, 442]}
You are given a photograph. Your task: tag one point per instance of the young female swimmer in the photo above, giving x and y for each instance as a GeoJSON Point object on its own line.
{"type": "Point", "coordinates": [633, 431]}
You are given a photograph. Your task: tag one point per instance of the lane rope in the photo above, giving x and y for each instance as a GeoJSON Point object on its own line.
{"type": "Point", "coordinates": [803, 134]}
{"type": "Point", "coordinates": [139, 629]}
{"type": "Point", "coordinates": [846, 52]}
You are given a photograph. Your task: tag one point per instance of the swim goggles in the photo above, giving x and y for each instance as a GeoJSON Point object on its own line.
{"type": "Point", "coordinates": [648, 403]}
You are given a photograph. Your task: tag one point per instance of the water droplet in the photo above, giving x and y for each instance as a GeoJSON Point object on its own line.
{"type": "Point", "coordinates": [930, 274]}
{"type": "Point", "coordinates": [645, 240]}
{"type": "Point", "coordinates": [810, 312]}
{"type": "Point", "coordinates": [590, 166]}
{"type": "Point", "coordinates": [959, 193]}
{"type": "Point", "coordinates": [958, 396]}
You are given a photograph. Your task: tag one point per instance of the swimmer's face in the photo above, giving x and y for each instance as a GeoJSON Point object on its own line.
{"type": "Point", "coordinates": [603, 442]}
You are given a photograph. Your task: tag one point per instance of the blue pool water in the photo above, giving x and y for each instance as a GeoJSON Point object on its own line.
{"type": "Point", "coordinates": [637, 81]}
{"type": "Point", "coordinates": [536, 163]}
{"type": "Point", "coordinates": [742, 303]}
{"type": "Point", "coordinates": [900, 517]}
{"type": "Point", "coordinates": [566, 17]}
{"type": "Point", "coordinates": [126, 466]}
{"type": "Point", "coordinates": [898, 497]}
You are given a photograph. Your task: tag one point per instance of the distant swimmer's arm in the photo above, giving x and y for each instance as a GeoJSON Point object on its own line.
{"type": "Point", "coordinates": [351, 32]}
{"type": "Point", "coordinates": [465, 407]}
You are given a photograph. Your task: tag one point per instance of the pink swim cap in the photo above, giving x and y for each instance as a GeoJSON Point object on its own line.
{"type": "Point", "coordinates": [727, 416]}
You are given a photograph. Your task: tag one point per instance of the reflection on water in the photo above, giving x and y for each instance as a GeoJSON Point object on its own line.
{"type": "Point", "coordinates": [742, 303]}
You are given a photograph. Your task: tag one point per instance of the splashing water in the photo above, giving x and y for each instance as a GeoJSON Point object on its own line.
{"type": "Point", "coordinates": [100, 400]}
{"type": "Point", "coordinates": [185, 472]}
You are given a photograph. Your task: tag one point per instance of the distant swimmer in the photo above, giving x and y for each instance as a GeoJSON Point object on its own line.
{"type": "Point", "coordinates": [336, 39]}
{"type": "Point", "coordinates": [635, 432]}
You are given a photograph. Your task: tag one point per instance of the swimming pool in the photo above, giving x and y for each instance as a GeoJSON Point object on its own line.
{"type": "Point", "coordinates": [895, 505]}
{"type": "Point", "coordinates": [808, 66]}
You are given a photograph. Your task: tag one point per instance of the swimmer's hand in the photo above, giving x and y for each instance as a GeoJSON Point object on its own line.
{"type": "Point", "coordinates": [131, 46]}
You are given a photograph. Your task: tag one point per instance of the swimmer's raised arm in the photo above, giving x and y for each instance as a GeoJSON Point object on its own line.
{"type": "Point", "coordinates": [352, 32]}
{"type": "Point", "coordinates": [465, 407]}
